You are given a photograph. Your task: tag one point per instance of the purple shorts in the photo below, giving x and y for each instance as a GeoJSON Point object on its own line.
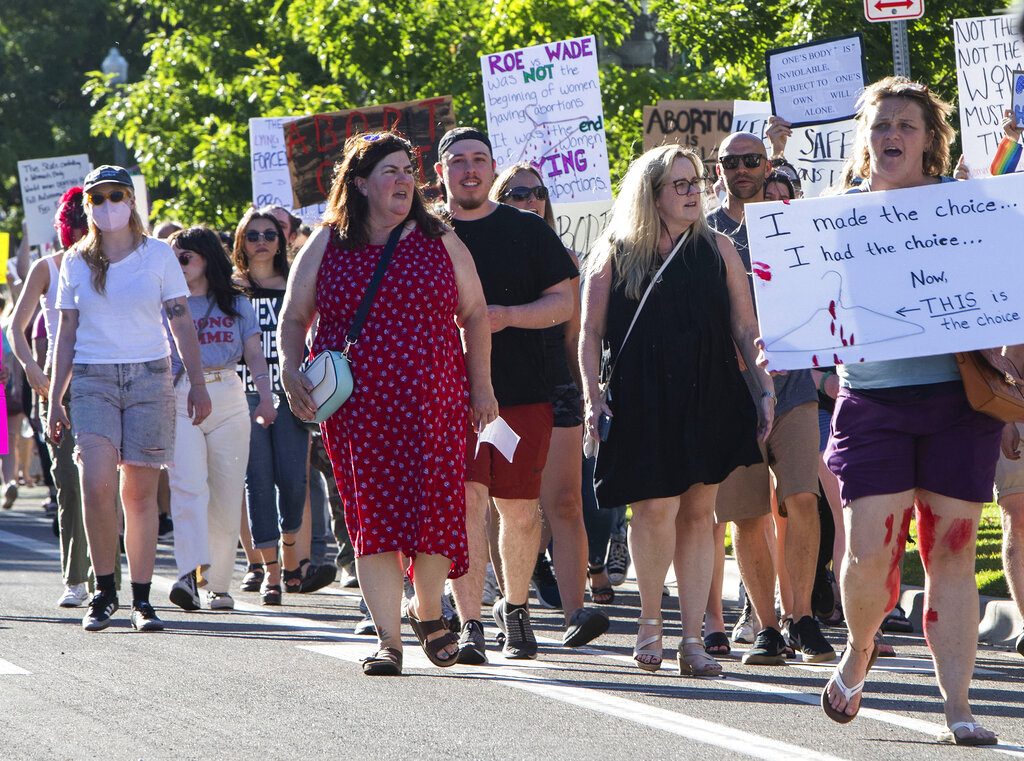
{"type": "Point", "coordinates": [890, 440]}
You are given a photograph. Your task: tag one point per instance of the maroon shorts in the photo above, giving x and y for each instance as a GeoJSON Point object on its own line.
{"type": "Point", "coordinates": [519, 479]}
{"type": "Point", "coordinates": [885, 441]}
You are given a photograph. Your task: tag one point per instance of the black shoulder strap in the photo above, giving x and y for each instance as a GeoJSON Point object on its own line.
{"type": "Point", "coordinates": [373, 287]}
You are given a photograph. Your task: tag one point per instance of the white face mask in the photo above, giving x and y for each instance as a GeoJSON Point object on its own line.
{"type": "Point", "coordinates": [112, 216]}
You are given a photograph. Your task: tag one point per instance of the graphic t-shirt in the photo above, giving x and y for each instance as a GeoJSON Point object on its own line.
{"type": "Point", "coordinates": [517, 258]}
{"type": "Point", "coordinates": [221, 337]}
{"type": "Point", "coordinates": [266, 303]}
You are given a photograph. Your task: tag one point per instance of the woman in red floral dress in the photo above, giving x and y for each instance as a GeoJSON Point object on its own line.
{"type": "Point", "coordinates": [397, 446]}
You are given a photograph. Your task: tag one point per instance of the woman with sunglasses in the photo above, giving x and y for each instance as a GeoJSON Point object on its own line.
{"type": "Point", "coordinates": [561, 498]}
{"type": "Point", "coordinates": [681, 417]}
{"type": "Point", "coordinates": [276, 478]}
{"type": "Point", "coordinates": [210, 459]}
{"type": "Point", "coordinates": [113, 349]}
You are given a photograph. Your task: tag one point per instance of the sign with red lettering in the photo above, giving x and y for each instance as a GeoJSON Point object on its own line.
{"type": "Point", "coordinates": [314, 144]}
{"type": "Point", "coordinates": [697, 124]}
{"type": "Point", "coordinates": [892, 10]}
{"type": "Point", "coordinates": [544, 107]}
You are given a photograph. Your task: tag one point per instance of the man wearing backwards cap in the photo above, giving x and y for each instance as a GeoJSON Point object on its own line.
{"type": "Point", "coordinates": [525, 273]}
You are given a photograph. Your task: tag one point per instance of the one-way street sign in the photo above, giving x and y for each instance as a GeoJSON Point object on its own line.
{"type": "Point", "coordinates": [893, 10]}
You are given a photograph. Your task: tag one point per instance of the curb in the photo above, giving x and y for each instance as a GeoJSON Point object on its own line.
{"type": "Point", "coordinates": [1000, 625]}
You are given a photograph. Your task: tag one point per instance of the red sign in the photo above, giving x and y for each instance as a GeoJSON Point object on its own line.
{"type": "Point", "coordinates": [893, 10]}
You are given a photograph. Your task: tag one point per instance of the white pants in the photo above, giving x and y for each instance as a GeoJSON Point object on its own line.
{"type": "Point", "coordinates": [208, 481]}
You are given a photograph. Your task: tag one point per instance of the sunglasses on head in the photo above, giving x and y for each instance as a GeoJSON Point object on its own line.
{"type": "Point", "coordinates": [268, 235]}
{"type": "Point", "coordinates": [521, 194]}
{"type": "Point", "coordinates": [750, 160]}
{"type": "Point", "coordinates": [115, 196]}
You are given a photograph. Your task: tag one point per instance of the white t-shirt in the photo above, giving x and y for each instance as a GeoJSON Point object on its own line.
{"type": "Point", "coordinates": [124, 324]}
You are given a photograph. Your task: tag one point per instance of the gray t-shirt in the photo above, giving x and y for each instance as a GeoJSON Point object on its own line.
{"type": "Point", "coordinates": [795, 387]}
{"type": "Point", "coordinates": [220, 337]}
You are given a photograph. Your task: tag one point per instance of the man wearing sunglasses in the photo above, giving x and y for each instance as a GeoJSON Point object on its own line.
{"type": "Point", "coordinates": [791, 452]}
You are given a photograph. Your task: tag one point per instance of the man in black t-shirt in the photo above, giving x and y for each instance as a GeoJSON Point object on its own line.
{"type": "Point", "coordinates": [525, 273]}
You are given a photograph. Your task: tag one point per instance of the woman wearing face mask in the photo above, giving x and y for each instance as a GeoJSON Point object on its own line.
{"type": "Point", "coordinates": [112, 347]}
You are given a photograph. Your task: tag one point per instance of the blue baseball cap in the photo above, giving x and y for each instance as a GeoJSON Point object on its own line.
{"type": "Point", "coordinates": [107, 173]}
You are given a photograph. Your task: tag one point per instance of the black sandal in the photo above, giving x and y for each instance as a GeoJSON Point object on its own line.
{"type": "Point", "coordinates": [600, 595]}
{"type": "Point", "coordinates": [270, 594]}
{"type": "Point", "coordinates": [253, 578]}
{"type": "Point", "coordinates": [433, 648]}
{"type": "Point", "coordinates": [387, 661]}
{"type": "Point", "coordinates": [309, 578]}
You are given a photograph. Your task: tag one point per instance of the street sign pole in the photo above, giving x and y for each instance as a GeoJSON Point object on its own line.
{"type": "Point", "coordinates": [900, 48]}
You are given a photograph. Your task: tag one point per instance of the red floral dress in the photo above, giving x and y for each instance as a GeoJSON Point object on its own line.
{"type": "Point", "coordinates": [397, 446]}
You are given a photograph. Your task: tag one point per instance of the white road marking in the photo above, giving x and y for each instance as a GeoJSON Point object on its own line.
{"type": "Point", "coordinates": [6, 667]}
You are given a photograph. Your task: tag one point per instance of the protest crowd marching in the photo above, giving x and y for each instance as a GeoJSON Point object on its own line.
{"type": "Point", "coordinates": [527, 424]}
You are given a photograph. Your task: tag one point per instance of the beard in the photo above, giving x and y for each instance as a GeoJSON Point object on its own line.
{"type": "Point", "coordinates": [755, 190]}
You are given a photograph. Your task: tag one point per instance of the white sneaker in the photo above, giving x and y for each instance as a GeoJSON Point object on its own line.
{"type": "Point", "coordinates": [220, 601]}
{"type": "Point", "coordinates": [74, 596]}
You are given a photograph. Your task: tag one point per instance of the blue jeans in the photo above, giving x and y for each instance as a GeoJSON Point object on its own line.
{"type": "Point", "coordinates": [320, 534]}
{"type": "Point", "coordinates": [275, 481]}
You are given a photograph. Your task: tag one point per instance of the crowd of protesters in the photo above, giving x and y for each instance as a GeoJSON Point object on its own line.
{"type": "Point", "coordinates": [631, 378]}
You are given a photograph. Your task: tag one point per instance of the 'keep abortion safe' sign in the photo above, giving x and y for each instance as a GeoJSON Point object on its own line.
{"type": "Point", "coordinates": [889, 275]}
{"type": "Point", "coordinates": [544, 107]}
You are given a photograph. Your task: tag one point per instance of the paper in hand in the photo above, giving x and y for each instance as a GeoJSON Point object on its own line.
{"type": "Point", "coordinates": [500, 436]}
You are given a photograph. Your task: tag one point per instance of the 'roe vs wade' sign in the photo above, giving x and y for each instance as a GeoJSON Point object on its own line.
{"type": "Point", "coordinates": [544, 107]}
{"type": "Point", "coordinates": [888, 275]}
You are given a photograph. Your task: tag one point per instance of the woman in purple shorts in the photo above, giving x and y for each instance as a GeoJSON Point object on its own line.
{"type": "Point", "coordinates": [905, 438]}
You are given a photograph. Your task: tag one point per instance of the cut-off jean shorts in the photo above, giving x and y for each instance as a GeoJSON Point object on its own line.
{"type": "Point", "coordinates": [130, 404]}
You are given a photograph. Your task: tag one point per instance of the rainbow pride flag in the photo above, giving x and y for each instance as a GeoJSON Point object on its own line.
{"type": "Point", "coordinates": [1007, 157]}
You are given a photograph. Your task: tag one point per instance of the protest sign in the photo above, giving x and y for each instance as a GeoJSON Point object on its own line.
{"type": "Point", "coordinates": [887, 275]}
{"type": "Point", "coordinates": [43, 182]}
{"type": "Point", "coordinates": [5, 247]}
{"type": "Point", "coordinates": [579, 224]}
{"type": "Point", "coordinates": [987, 52]}
{"type": "Point", "coordinates": [1017, 98]}
{"type": "Point", "coordinates": [271, 183]}
{"type": "Point", "coordinates": [314, 143]}
{"type": "Point", "coordinates": [817, 82]}
{"type": "Point", "coordinates": [544, 106]}
{"type": "Point", "coordinates": [818, 152]}
{"type": "Point", "coordinates": [697, 124]}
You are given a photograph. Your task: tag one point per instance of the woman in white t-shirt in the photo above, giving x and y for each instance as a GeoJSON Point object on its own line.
{"type": "Point", "coordinates": [112, 348]}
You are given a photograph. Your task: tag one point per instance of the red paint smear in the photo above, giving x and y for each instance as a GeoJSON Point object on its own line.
{"type": "Point", "coordinates": [959, 534]}
{"type": "Point", "coordinates": [861, 359]}
{"type": "Point", "coordinates": [926, 522]}
{"type": "Point", "coordinates": [832, 309]}
{"type": "Point", "coordinates": [888, 527]}
{"type": "Point", "coordinates": [841, 336]}
{"type": "Point", "coordinates": [763, 274]}
{"type": "Point", "coordinates": [814, 360]}
{"type": "Point", "coordinates": [836, 360]}
{"type": "Point", "coordinates": [892, 582]}
{"type": "Point", "coordinates": [929, 618]}
{"type": "Point", "coordinates": [763, 265]}
{"type": "Point", "coordinates": [851, 339]}
{"type": "Point", "coordinates": [785, 201]}
{"type": "Point", "coordinates": [832, 327]}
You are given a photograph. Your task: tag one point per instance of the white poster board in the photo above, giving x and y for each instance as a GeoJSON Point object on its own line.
{"type": "Point", "coordinates": [579, 224]}
{"type": "Point", "coordinates": [817, 151]}
{"type": "Point", "coordinates": [888, 275]}
{"type": "Point", "coordinates": [544, 106]}
{"type": "Point", "coordinates": [988, 50]}
{"type": "Point", "coordinates": [817, 82]}
{"type": "Point", "coordinates": [43, 182]}
{"type": "Point", "coordinates": [271, 182]}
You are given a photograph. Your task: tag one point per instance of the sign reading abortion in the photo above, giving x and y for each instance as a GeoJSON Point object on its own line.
{"type": "Point", "coordinates": [817, 82]}
{"type": "Point", "coordinates": [888, 275]}
{"type": "Point", "coordinates": [313, 144]}
{"type": "Point", "coordinates": [43, 182]}
{"type": "Point", "coordinates": [697, 124]}
{"type": "Point", "coordinates": [544, 107]}
{"type": "Point", "coordinates": [271, 183]}
{"type": "Point", "coordinates": [987, 52]}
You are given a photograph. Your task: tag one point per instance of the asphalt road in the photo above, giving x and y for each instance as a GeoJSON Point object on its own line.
{"type": "Point", "coordinates": [260, 683]}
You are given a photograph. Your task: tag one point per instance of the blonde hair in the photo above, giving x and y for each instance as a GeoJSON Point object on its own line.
{"type": "Point", "coordinates": [630, 240]}
{"type": "Point", "coordinates": [91, 246]}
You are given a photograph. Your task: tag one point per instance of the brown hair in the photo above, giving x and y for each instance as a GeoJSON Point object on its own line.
{"type": "Point", "coordinates": [241, 259]}
{"type": "Point", "coordinates": [935, 161]}
{"type": "Point", "coordinates": [504, 183]}
{"type": "Point", "coordinates": [347, 208]}
{"type": "Point", "coordinates": [91, 246]}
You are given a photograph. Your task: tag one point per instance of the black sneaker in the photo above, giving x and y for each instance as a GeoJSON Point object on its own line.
{"type": "Point", "coordinates": [520, 644]}
{"type": "Point", "coordinates": [365, 627]}
{"type": "Point", "coordinates": [769, 649]}
{"type": "Point", "coordinates": [617, 563]}
{"type": "Point", "coordinates": [585, 625]}
{"type": "Point", "coordinates": [144, 618]}
{"type": "Point", "coordinates": [101, 608]}
{"type": "Point", "coordinates": [545, 584]}
{"type": "Point", "coordinates": [472, 645]}
{"type": "Point", "coordinates": [185, 593]}
{"type": "Point", "coordinates": [806, 637]}
{"type": "Point", "coordinates": [166, 530]}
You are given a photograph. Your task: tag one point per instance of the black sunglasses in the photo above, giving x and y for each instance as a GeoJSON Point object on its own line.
{"type": "Point", "coordinates": [185, 257]}
{"type": "Point", "coordinates": [268, 235]}
{"type": "Point", "coordinates": [97, 199]}
{"type": "Point", "coordinates": [521, 194]}
{"type": "Point", "coordinates": [750, 160]}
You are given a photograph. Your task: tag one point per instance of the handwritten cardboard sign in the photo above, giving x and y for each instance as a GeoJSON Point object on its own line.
{"type": "Point", "coordinates": [697, 124]}
{"type": "Point", "coordinates": [313, 144]}
{"type": "Point", "coordinates": [889, 275]}
{"type": "Point", "coordinates": [271, 182]}
{"type": "Point", "coordinates": [988, 50]}
{"type": "Point", "coordinates": [544, 106]}
{"type": "Point", "coordinates": [817, 82]}
{"type": "Point", "coordinates": [43, 182]}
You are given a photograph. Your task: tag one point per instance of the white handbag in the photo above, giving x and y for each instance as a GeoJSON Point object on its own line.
{"type": "Point", "coordinates": [332, 382]}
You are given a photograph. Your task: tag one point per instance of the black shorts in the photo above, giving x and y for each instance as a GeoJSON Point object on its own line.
{"type": "Point", "coordinates": [567, 405]}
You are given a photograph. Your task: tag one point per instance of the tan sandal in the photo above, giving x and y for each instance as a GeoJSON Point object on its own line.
{"type": "Point", "coordinates": [696, 661]}
{"type": "Point", "coordinates": [643, 647]}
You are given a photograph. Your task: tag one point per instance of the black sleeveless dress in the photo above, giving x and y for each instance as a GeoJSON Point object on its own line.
{"type": "Point", "coordinates": [682, 411]}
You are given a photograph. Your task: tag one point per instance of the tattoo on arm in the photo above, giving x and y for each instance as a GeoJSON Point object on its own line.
{"type": "Point", "coordinates": [176, 310]}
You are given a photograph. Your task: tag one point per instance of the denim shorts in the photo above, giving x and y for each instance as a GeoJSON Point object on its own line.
{"type": "Point", "coordinates": [130, 404]}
